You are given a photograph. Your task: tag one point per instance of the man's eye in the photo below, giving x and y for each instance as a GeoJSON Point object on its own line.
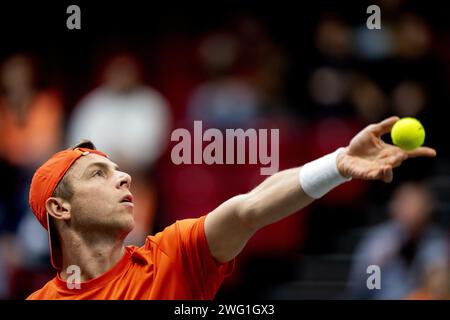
{"type": "Point", "coordinates": [98, 173]}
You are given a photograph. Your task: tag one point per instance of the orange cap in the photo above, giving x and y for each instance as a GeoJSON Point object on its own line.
{"type": "Point", "coordinates": [46, 179]}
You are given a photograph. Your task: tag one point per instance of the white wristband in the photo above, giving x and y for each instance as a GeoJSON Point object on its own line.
{"type": "Point", "coordinates": [320, 176]}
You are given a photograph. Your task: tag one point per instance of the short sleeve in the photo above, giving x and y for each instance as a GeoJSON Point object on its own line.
{"type": "Point", "coordinates": [184, 242]}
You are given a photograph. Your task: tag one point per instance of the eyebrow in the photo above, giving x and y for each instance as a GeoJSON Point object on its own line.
{"type": "Point", "coordinates": [102, 165]}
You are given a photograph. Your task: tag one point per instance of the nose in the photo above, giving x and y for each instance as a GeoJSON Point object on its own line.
{"type": "Point", "coordinates": [124, 179]}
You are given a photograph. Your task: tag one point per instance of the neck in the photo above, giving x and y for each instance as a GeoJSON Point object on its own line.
{"type": "Point", "coordinates": [93, 257]}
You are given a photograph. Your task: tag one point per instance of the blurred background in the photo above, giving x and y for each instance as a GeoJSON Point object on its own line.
{"type": "Point", "coordinates": [134, 73]}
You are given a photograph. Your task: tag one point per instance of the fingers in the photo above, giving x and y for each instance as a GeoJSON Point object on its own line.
{"type": "Point", "coordinates": [396, 159]}
{"type": "Point", "coordinates": [387, 174]}
{"type": "Point", "coordinates": [384, 173]}
{"type": "Point", "coordinates": [376, 172]}
{"type": "Point", "coordinates": [421, 152]}
{"type": "Point", "coordinates": [394, 154]}
{"type": "Point", "coordinates": [384, 126]}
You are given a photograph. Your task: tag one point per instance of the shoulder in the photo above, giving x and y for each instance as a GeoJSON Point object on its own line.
{"type": "Point", "coordinates": [383, 230]}
{"type": "Point", "coordinates": [176, 234]}
{"type": "Point", "coordinates": [179, 227]}
{"type": "Point", "coordinates": [47, 292]}
{"type": "Point", "coordinates": [95, 98]}
{"type": "Point", "coordinates": [151, 98]}
{"type": "Point", "coordinates": [150, 93]}
{"type": "Point", "coordinates": [383, 235]}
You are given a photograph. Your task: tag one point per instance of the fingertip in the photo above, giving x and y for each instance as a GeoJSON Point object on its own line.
{"type": "Point", "coordinates": [391, 120]}
{"type": "Point", "coordinates": [422, 152]}
{"type": "Point", "coordinates": [404, 156]}
{"type": "Point", "coordinates": [388, 174]}
{"type": "Point", "coordinates": [384, 126]}
{"type": "Point", "coordinates": [396, 118]}
{"type": "Point", "coordinates": [430, 151]}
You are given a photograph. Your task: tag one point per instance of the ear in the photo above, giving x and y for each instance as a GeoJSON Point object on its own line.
{"type": "Point", "coordinates": [58, 208]}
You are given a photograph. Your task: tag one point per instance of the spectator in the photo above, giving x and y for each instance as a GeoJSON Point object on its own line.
{"type": "Point", "coordinates": [226, 99]}
{"type": "Point", "coordinates": [405, 248]}
{"type": "Point", "coordinates": [436, 284]}
{"type": "Point", "coordinates": [30, 130]}
{"type": "Point", "coordinates": [30, 118]}
{"type": "Point", "coordinates": [123, 109]}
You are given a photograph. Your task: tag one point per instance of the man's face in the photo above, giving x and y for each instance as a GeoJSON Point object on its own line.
{"type": "Point", "coordinates": [412, 206]}
{"type": "Point", "coordinates": [101, 200]}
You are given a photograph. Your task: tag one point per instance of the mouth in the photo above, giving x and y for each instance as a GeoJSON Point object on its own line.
{"type": "Point", "coordinates": [127, 199]}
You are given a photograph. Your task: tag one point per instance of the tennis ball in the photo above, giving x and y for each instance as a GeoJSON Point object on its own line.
{"type": "Point", "coordinates": [408, 133]}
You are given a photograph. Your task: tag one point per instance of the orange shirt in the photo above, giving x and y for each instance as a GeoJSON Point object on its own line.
{"type": "Point", "coordinates": [38, 136]}
{"type": "Point", "coordinates": [174, 264]}
{"type": "Point", "coordinates": [424, 294]}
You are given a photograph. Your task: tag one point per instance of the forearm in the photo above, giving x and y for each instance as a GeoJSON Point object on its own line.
{"type": "Point", "coordinates": [274, 199]}
{"type": "Point", "coordinates": [290, 190]}
{"type": "Point", "coordinates": [232, 224]}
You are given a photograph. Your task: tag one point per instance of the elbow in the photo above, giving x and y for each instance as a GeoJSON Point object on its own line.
{"type": "Point", "coordinates": [249, 212]}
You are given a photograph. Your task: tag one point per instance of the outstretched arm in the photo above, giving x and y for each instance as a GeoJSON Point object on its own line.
{"type": "Point", "coordinates": [231, 225]}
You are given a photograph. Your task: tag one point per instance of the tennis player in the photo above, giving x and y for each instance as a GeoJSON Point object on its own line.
{"type": "Point", "coordinates": [84, 202]}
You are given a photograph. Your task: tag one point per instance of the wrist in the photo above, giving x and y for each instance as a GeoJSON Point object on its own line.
{"type": "Point", "coordinates": [321, 175]}
{"type": "Point", "coordinates": [340, 159]}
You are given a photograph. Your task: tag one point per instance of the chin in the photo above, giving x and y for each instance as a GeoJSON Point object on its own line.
{"type": "Point", "coordinates": [129, 224]}
{"type": "Point", "coordinates": [125, 228]}
{"type": "Point", "coordinates": [125, 223]}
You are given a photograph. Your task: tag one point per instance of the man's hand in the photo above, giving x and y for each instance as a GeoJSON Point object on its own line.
{"type": "Point", "coordinates": [370, 158]}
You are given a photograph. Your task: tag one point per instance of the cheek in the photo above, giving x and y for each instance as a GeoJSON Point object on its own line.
{"type": "Point", "coordinates": [93, 199]}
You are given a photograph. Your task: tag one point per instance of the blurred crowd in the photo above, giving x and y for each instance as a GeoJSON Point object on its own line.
{"type": "Point", "coordinates": [318, 90]}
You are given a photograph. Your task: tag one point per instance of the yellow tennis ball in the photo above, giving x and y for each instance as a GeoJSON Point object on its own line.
{"type": "Point", "coordinates": [408, 133]}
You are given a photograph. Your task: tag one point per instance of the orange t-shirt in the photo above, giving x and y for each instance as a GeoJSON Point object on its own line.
{"type": "Point", "coordinates": [173, 264]}
{"type": "Point", "coordinates": [38, 136]}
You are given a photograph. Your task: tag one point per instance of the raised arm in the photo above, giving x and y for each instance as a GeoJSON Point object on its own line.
{"type": "Point", "coordinates": [231, 225]}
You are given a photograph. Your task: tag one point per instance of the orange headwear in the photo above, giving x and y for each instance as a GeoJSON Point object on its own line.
{"type": "Point", "coordinates": [45, 181]}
